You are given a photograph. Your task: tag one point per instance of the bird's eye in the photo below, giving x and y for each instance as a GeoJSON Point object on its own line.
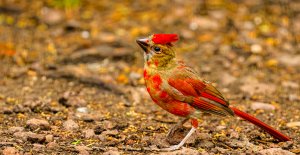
{"type": "Point", "coordinates": [156, 49]}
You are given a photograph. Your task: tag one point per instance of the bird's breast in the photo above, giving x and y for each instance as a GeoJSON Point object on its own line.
{"type": "Point", "coordinates": [154, 84]}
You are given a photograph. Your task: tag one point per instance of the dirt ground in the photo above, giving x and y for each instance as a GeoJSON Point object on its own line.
{"type": "Point", "coordinates": [71, 75]}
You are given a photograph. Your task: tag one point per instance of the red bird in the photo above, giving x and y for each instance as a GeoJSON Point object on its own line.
{"type": "Point", "coordinates": [179, 90]}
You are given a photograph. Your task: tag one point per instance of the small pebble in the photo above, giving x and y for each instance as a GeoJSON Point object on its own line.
{"type": "Point", "coordinates": [108, 124]}
{"type": "Point", "coordinates": [38, 147]}
{"type": "Point", "coordinates": [234, 134]}
{"type": "Point", "coordinates": [35, 138]}
{"type": "Point", "coordinates": [70, 125]}
{"type": "Point", "coordinates": [290, 84]}
{"type": "Point", "coordinates": [7, 110]}
{"type": "Point", "coordinates": [256, 48]}
{"type": "Point", "coordinates": [49, 138]}
{"type": "Point", "coordinates": [12, 130]}
{"type": "Point", "coordinates": [89, 117]}
{"type": "Point", "coordinates": [82, 150]}
{"type": "Point", "coordinates": [37, 123]}
{"type": "Point", "coordinates": [85, 34]}
{"type": "Point", "coordinates": [82, 109]}
{"type": "Point", "coordinates": [51, 16]}
{"type": "Point", "coordinates": [275, 151]}
{"type": "Point", "coordinates": [293, 124]}
{"type": "Point", "coordinates": [182, 151]}
{"type": "Point", "coordinates": [52, 145]}
{"type": "Point", "coordinates": [21, 136]}
{"type": "Point", "coordinates": [111, 152]}
{"type": "Point", "coordinates": [110, 132]}
{"type": "Point", "coordinates": [262, 106]}
{"type": "Point", "coordinates": [206, 144]}
{"type": "Point", "coordinates": [89, 133]}
{"type": "Point", "coordinates": [30, 136]}
{"type": "Point", "coordinates": [10, 151]}
{"type": "Point", "coordinates": [228, 79]}
{"type": "Point", "coordinates": [220, 127]}
{"type": "Point", "coordinates": [203, 136]}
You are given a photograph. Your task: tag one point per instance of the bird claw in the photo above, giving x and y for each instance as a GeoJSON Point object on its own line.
{"type": "Point", "coordinates": [171, 148]}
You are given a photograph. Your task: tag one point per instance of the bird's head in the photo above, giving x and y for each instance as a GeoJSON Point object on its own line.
{"type": "Point", "coordinates": [158, 51]}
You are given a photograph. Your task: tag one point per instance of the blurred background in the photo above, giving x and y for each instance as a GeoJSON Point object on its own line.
{"type": "Point", "coordinates": [71, 54]}
{"type": "Point", "coordinates": [260, 33]}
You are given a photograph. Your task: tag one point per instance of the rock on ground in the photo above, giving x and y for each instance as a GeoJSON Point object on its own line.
{"type": "Point", "coordinates": [82, 150]}
{"type": "Point", "coordinates": [52, 145]}
{"type": "Point", "coordinates": [10, 151]}
{"type": "Point", "coordinates": [293, 124]}
{"type": "Point", "coordinates": [262, 106]}
{"type": "Point", "coordinates": [38, 123]}
{"type": "Point", "coordinates": [275, 151]}
{"type": "Point", "coordinates": [12, 130]}
{"type": "Point", "coordinates": [228, 79]}
{"type": "Point", "coordinates": [184, 151]}
{"type": "Point", "coordinates": [70, 125]}
{"type": "Point", "coordinates": [89, 133]}
{"type": "Point", "coordinates": [111, 152]}
{"type": "Point", "coordinates": [49, 138]}
{"type": "Point", "coordinates": [38, 147]}
{"type": "Point", "coordinates": [51, 16]}
{"type": "Point", "coordinates": [30, 136]}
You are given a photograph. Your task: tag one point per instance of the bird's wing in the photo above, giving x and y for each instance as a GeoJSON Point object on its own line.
{"type": "Point", "coordinates": [185, 85]}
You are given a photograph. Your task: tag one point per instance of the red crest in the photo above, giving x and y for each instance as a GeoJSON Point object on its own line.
{"type": "Point", "coordinates": [164, 38]}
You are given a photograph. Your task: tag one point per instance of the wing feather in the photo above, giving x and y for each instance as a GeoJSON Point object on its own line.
{"type": "Point", "coordinates": [205, 96]}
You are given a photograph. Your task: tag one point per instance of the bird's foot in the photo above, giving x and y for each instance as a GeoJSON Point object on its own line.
{"type": "Point", "coordinates": [172, 148]}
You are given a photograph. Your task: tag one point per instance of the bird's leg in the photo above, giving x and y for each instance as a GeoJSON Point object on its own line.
{"type": "Point", "coordinates": [194, 123]}
{"type": "Point", "coordinates": [175, 147]}
{"type": "Point", "coordinates": [175, 127]}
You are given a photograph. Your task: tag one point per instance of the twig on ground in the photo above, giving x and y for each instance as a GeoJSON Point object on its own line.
{"type": "Point", "coordinates": [73, 72]}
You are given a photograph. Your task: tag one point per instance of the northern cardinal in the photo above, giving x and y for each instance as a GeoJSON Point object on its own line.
{"type": "Point", "coordinates": [178, 89]}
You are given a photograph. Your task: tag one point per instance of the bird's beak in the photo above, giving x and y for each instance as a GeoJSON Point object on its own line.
{"type": "Point", "coordinates": [143, 43]}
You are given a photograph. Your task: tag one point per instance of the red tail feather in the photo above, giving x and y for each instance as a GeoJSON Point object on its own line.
{"type": "Point", "coordinates": [261, 124]}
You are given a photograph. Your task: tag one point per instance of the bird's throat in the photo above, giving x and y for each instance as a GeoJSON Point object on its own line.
{"type": "Point", "coordinates": [161, 64]}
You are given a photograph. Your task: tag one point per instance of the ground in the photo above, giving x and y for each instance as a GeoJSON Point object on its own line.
{"type": "Point", "coordinates": [71, 75]}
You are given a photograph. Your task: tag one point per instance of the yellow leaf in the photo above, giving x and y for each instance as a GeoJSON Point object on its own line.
{"type": "Point", "coordinates": [122, 78]}
{"type": "Point", "coordinates": [205, 37]}
{"type": "Point", "coordinates": [272, 63]}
